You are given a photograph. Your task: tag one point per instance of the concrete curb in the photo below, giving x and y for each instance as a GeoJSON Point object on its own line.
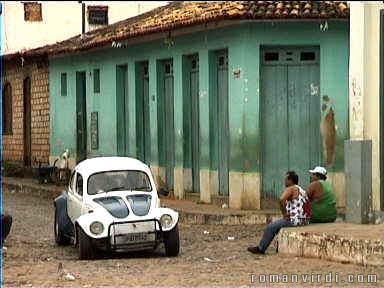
{"type": "Point", "coordinates": [232, 219]}
{"type": "Point", "coordinates": [186, 217]}
{"type": "Point", "coordinates": [331, 246]}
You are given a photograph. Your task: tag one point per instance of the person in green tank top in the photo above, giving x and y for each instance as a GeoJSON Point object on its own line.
{"type": "Point", "coordinates": [322, 197]}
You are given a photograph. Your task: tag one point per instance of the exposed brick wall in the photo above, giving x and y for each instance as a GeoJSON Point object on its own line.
{"type": "Point", "coordinates": [13, 145]}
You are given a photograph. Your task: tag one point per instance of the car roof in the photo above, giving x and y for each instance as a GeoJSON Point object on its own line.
{"type": "Point", "coordinates": [100, 164]}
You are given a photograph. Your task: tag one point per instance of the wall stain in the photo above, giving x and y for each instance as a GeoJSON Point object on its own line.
{"type": "Point", "coordinates": [328, 132]}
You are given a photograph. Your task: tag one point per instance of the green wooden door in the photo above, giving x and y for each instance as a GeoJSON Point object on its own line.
{"type": "Point", "coordinates": [195, 123]}
{"type": "Point", "coordinates": [223, 121]}
{"type": "Point", "coordinates": [142, 113]}
{"type": "Point", "coordinates": [166, 122]}
{"type": "Point", "coordinates": [81, 117]}
{"type": "Point", "coordinates": [121, 117]}
{"type": "Point", "coordinates": [290, 116]}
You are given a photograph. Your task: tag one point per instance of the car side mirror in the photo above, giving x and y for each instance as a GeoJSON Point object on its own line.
{"type": "Point", "coordinates": [163, 192]}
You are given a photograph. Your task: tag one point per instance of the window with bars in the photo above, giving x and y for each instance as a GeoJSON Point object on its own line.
{"type": "Point", "coordinates": [7, 109]}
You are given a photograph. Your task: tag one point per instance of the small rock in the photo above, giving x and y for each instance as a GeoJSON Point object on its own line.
{"type": "Point", "coordinates": [206, 232]}
{"type": "Point", "coordinates": [208, 259]}
{"type": "Point", "coordinates": [69, 277]}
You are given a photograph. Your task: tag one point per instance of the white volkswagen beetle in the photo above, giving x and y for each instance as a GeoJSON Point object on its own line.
{"type": "Point", "coordinates": [112, 204]}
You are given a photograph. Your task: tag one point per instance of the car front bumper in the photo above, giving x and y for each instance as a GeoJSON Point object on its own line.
{"type": "Point", "coordinates": [121, 241]}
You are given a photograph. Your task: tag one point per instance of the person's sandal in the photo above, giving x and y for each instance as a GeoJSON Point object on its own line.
{"type": "Point", "coordinates": [255, 250]}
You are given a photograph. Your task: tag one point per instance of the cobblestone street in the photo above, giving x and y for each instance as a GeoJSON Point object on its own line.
{"type": "Point", "coordinates": [32, 258]}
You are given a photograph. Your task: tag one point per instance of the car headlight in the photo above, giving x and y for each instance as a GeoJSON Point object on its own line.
{"type": "Point", "coordinates": [96, 227]}
{"type": "Point", "coordinates": [166, 221]}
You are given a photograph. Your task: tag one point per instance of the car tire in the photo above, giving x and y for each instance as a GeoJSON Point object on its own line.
{"type": "Point", "coordinates": [172, 242]}
{"type": "Point", "coordinates": [86, 251]}
{"type": "Point", "coordinates": [60, 238]}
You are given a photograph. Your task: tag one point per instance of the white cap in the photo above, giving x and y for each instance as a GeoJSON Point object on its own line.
{"type": "Point", "coordinates": [319, 170]}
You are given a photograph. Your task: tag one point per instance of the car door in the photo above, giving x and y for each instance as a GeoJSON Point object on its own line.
{"type": "Point", "coordinates": [71, 197]}
{"type": "Point", "coordinates": [78, 196]}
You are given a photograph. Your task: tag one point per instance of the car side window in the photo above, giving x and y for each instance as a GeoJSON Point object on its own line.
{"type": "Point", "coordinates": [79, 184]}
{"type": "Point", "coordinates": [72, 181]}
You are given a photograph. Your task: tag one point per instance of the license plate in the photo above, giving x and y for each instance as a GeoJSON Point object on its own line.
{"type": "Point", "coordinates": [135, 238]}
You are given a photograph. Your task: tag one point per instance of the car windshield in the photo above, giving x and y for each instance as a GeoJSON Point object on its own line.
{"type": "Point", "coordinates": [117, 181]}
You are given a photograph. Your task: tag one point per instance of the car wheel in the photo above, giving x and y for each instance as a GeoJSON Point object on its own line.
{"type": "Point", "coordinates": [86, 251]}
{"type": "Point", "coordinates": [172, 242]}
{"type": "Point", "coordinates": [60, 237]}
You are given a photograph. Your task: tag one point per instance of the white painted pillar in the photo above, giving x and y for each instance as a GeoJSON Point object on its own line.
{"type": "Point", "coordinates": [357, 65]}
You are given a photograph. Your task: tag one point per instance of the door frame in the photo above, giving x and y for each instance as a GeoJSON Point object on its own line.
{"type": "Point", "coordinates": [27, 117]}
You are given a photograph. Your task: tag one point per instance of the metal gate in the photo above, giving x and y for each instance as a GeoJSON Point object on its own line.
{"type": "Point", "coordinates": [290, 115]}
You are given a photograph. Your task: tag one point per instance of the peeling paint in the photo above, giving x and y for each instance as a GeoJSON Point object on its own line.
{"type": "Point", "coordinates": [328, 132]}
{"type": "Point", "coordinates": [356, 110]}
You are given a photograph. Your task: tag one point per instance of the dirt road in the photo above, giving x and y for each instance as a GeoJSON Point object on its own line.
{"type": "Point", "coordinates": [32, 258]}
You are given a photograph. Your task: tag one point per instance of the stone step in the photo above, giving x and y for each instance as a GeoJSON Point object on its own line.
{"type": "Point", "coordinates": [340, 242]}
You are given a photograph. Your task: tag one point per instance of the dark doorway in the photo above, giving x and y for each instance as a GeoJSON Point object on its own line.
{"type": "Point", "coordinates": [27, 122]}
{"type": "Point", "coordinates": [81, 117]}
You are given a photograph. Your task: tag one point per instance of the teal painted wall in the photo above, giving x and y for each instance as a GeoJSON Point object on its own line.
{"type": "Point", "coordinates": [243, 42]}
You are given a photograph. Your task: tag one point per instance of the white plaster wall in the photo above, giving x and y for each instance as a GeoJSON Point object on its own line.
{"type": "Point", "coordinates": [61, 20]}
{"type": "Point", "coordinates": [365, 82]}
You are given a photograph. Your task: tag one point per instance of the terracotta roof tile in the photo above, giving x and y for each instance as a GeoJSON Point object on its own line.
{"type": "Point", "coordinates": [182, 14]}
